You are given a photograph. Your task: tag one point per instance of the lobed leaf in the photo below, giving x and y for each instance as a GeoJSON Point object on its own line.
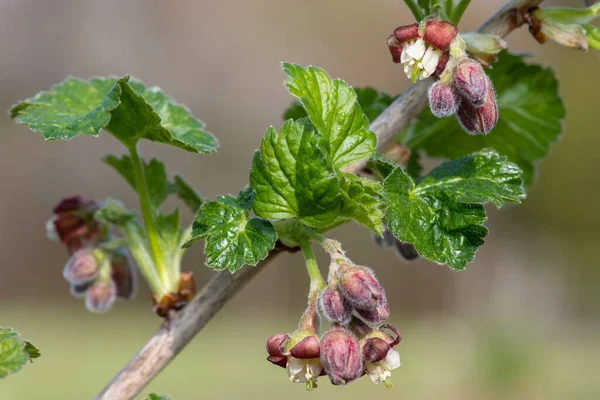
{"type": "Point", "coordinates": [333, 109]}
{"type": "Point", "coordinates": [14, 351]}
{"type": "Point", "coordinates": [123, 107]}
{"type": "Point", "coordinates": [442, 215]}
{"type": "Point", "coordinates": [232, 237]}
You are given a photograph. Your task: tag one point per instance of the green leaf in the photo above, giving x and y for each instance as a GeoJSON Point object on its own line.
{"type": "Point", "coordinates": [123, 107]}
{"type": "Point", "coordinates": [370, 100]}
{"type": "Point", "coordinates": [232, 237]}
{"type": "Point", "coordinates": [154, 396]}
{"type": "Point", "coordinates": [159, 187]}
{"type": "Point", "coordinates": [187, 193]}
{"type": "Point", "coordinates": [362, 202]}
{"type": "Point", "coordinates": [334, 111]}
{"type": "Point", "coordinates": [442, 215]}
{"type": "Point", "coordinates": [14, 351]}
{"type": "Point", "coordinates": [531, 117]}
{"type": "Point", "coordinates": [452, 10]}
{"type": "Point", "coordinates": [291, 178]}
{"type": "Point", "coordinates": [114, 212]}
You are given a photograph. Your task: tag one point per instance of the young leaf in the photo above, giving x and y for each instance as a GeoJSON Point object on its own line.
{"type": "Point", "coordinates": [232, 237]}
{"type": "Point", "coordinates": [531, 116]}
{"type": "Point", "coordinates": [442, 215]}
{"type": "Point", "coordinates": [370, 100]}
{"type": "Point", "coordinates": [362, 202]}
{"type": "Point", "coordinates": [291, 178]}
{"type": "Point", "coordinates": [452, 10]}
{"type": "Point", "coordinates": [114, 212]}
{"type": "Point", "coordinates": [124, 107]}
{"type": "Point", "coordinates": [14, 351]}
{"type": "Point", "coordinates": [334, 111]}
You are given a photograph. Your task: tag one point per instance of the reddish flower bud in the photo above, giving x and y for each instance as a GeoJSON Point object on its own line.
{"type": "Point", "coordinates": [361, 289]}
{"type": "Point", "coordinates": [74, 224]}
{"type": "Point", "coordinates": [123, 274]}
{"type": "Point", "coordinates": [341, 355]}
{"type": "Point", "coordinates": [275, 346]}
{"type": "Point", "coordinates": [82, 267]}
{"type": "Point", "coordinates": [377, 314]}
{"type": "Point", "coordinates": [471, 81]}
{"type": "Point", "coordinates": [101, 296]}
{"type": "Point", "coordinates": [334, 306]}
{"type": "Point", "coordinates": [407, 32]}
{"type": "Point", "coordinates": [479, 119]}
{"type": "Point", "coordinates": [443, 99]}
{"type": "Point", "coordinates": [375, 349]}
{"type": "Point", "coordinates": [439, 33]}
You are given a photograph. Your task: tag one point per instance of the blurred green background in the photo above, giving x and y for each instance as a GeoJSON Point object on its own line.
{"type": "Point", "coordinates": [521, 323]}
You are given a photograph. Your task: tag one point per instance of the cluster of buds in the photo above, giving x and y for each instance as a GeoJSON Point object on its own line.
{"type": "Point", "coordinates": [434, 48]}
{"type": "Point", "coordinates": [356, 342]}
{"type": "Point", "coordinates": [95, 271]}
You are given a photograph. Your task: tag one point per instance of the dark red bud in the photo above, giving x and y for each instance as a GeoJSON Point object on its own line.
{"type": "Point", "coordinates": [395, 48]}
{"type": "Point", "coordinates": [443, 99]}
{"type": "Point", "coordinates": [407, 32]}
{"type": "Point", "coordinates": [375, 349]}
{"type": "Point", "coordinates": [306, 348]}
{"type": "Point", "coordinates": [82, 267]}
{"type": "Point", "coordinates": [341, 355]}
{"type": "Point", "coordinates": [471, 81]}
{"type": "Point", "coordinates": [275, 349]}
{"type": "Point", "coordinates": [74, 222]}
{"type": "Point", "coordinates": [334, 306]}
{"type": "Point", "coordinates": [377, 314]}
{"type": "Point", "coordinates": [361, 289]}
{"type": "Point", "coordinates": [75, 203]}
{"type": "Point", "coordinates": [101, 296]}
{"type": "Point", "coordinates": [439, 33]}
{"type": "Point", "coordinates": [479, 119]}
{"type": "Point", "coordinates": [123, 274]}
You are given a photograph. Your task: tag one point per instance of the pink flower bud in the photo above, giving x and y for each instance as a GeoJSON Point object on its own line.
{"type": "Point", "coordinates": [82, 267]}
{"type": "Point", "coordinates": [123, 274]}
{"type": "Point", "coordinates": [341, 355]}
{"type": "Point", "coordinates": [275, 346]}
{"type": "Point", "coordinates": [471, 81]}
{"type": "Point", "coordinates": [479, 119]}
{"type": "Point", "coordinates": [443, 99]}
{"type": "Point", "coordinates": [361, 289]}
{"type": "Point", "coordinates": [375, 315]}
{"type": "Point", "coordinates": [439, 33]}
{"type": "Point", "coordinates": [101, 296]}
{"type": "Point", "coordinates": [334, 306]}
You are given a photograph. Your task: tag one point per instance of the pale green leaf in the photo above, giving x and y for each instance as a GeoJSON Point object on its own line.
{"type": "Point", "coordinates": [14, 351]}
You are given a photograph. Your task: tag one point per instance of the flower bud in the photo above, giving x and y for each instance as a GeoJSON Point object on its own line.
{"type": "Point", "coordinates": [101, 296]}
{"type": "Point", "coordinates": [334, 306]}
{"type": "Point", "coordinates": [341, 355]}
{"type": "Point", "coordinates": [471, 81]}
{"type": "Point", "coordinates": [73, 223]}
{"type": "Point", "coordinates": [443, 99]}
{"type": "Point", "coordinates": [361, 289]}
{"type": "Point", "coordinates": [82, 267]}
{"type": "Point", "coordinates": [80, 291]}
{"type": "Point", "coordinates": [275, 346]}
{"type": "Point", "coordinates": [479, 119]}
{"type": "Point", "coordinates": [123, 274]}
{"type": "Point", "coordinates": [375, 349]}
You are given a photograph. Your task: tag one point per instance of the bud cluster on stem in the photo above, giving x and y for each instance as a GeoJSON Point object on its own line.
{"type": "Point", "coordinates": [352, 299]}
{"type": "Point", "coordinates": [434, 48]}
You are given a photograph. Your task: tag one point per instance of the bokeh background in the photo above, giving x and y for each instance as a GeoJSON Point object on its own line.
{"type": "Point", "coordinates": [521, 323]}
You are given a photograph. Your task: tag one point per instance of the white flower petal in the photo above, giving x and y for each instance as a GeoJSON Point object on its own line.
{"type": "Point", "coordinates": [431, 60]}
{"type": "Point", "coordinates": [314, 367]}
{"type": "Point", "coordinates": [404, 57]}
{"type": "Point", "coordinates": [416, 50]}
{"type": "Point", "coordinates": [295, 366]}
{"type": "Point", "coordinates": [391, 360]}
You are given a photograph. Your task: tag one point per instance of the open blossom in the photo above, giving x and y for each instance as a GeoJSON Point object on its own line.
{"type": "Point", "coordinates": [419, 59]}
{"type": "Point", "coordinates": [381, 370]}
{"type": "Point", "coordinates": [302, 360]}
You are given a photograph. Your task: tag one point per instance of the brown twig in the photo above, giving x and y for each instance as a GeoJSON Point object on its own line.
{"type": "Point", "coordinates": [177, 332]}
